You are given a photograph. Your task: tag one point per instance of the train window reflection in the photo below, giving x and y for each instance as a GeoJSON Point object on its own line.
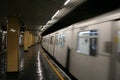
{"type": "Point", "coordinates": [87, 42]}
{"type": "Point", "coordinates": [60, 40]}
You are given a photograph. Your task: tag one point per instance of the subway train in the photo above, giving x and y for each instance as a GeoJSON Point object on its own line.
{"type": "Point", "coordinates": [89, 49]}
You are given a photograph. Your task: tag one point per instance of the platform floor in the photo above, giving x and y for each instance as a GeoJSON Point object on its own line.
{"type": "Point", "coordinates": [34, 66]}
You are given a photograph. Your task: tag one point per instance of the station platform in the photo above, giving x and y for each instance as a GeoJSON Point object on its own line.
{"type": "Point", "coordinates": [36, 65]}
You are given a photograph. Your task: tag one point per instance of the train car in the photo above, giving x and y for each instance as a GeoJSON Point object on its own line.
{"type": "Point", "coordinates": [90, 49]}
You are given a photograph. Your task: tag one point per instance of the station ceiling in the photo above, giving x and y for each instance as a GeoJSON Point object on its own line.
{"type": "Point", "coordinates": [32, 12]}
{"type": "Point", "coordinates": [35, 13]}
{"type": "Point", "coordinates": [89, 9]}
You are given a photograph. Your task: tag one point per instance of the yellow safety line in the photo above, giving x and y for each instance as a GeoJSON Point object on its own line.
{"type": "Point", "coordinates": [56, 71]}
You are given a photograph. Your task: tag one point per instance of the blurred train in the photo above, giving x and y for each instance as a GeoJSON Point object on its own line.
{"type": "Point", "coordinates": [90, 49]}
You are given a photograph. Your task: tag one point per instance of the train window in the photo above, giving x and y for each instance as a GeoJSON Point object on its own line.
{"type": "Point", "coordinates": [60, 40]}
{"type": "Point", "coordinates": [87, 42]}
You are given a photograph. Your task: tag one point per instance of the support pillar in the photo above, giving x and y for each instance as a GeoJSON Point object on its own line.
{"type": "Point", "coordinates": [33, 39]}
{"type": "Point", "coordinates": [29, 40]}
{"type": "Point", "coordinates": [26, 40]}
{"type": "Point", "coordinates": [13, 45]}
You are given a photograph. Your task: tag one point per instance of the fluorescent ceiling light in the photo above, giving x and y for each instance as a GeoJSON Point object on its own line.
{"type": "Point", "coordinates": [66, 2]}
{"type": "Point", "coordinates": [49, 21]}
{"type": "Point", "coordinates": [12, 30]}
{"type": "Point", "coordinates": [21, 35]}
{"type": "Point", "coordinates": [22, 32]}
{"type": "Point", "coordinates": [42, 29]}
{"type": "Point", "coordinates": [55, 14]}
{"type": "Point", "coordinates": [4, 32]}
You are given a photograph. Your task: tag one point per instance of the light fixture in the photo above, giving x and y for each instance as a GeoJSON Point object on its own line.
{"type": "Point", "coordinates": [22, 32]}
{"type": "Point", "coordinates": [40, 27]}
{"type": "Point", "coordinates": [4, 32]}
{"type": "Point", "coordinates": [21, 35]}
{"type": "Point", "coordinates": [49, 21]}
{"type": "Point", "coordinates": [66, 2]}
{"type": "Point", "coordinates": [44, 26]}
{"type": "Point", "coordinates": [55, 14]}
{"type": "Point", "coordinates": [12, 30]}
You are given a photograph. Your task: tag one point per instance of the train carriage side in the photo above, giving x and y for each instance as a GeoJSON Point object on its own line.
{"type": "Point", "coordinates": [91, 49]}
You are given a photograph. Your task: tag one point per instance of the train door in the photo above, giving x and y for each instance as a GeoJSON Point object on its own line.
{"type": "Point", "coordinates": [59, 50]}
{"type": "Point", "coordinates": [116, 50]}
{"type": "Point", "coordinates": [54, 43]}
{"type": "Point", "coordinates": [68, 46]}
